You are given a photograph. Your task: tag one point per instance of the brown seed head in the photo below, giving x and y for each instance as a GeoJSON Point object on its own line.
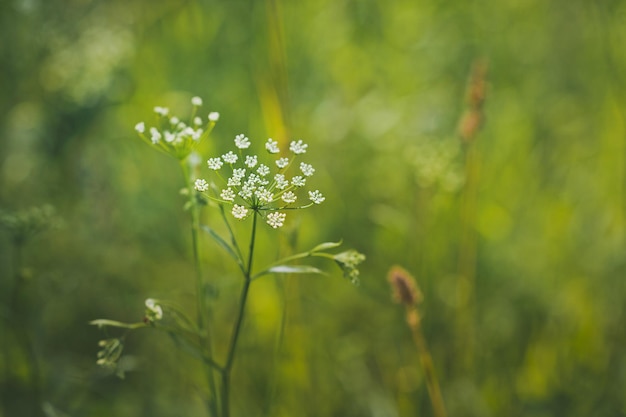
{"type": "Point", "coordinates": [405, 290]}
{"type": "Point", "coordinates": [477, 86]}
{"type": "Point", "coordinates": [470, 124]}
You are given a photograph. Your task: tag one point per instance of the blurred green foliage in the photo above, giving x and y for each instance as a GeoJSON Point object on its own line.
{"type": "Point", "coordinates": [376, 88]}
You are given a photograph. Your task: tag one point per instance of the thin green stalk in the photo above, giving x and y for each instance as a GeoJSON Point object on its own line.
{"type": "Point", "coordinates": [230, 358]}
{"type": "Point", "coordinates": [202, 308]}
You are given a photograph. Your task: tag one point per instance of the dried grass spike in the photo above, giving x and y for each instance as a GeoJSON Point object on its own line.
{"type": "Point", "coordinates": [404, 287]}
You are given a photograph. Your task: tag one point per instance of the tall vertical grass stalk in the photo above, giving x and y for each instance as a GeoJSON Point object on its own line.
{"type": "Point", "coordinates": [470, 125]}
{"type": "Point", "coordinates": [240, 187]}
{"type": "Point", "coordinates": [407, 293]}
{"type": "Point", "coordinates": [203, 312]}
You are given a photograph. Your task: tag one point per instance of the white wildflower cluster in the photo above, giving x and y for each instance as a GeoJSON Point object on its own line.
{"type": "Point", "coordinates": [250, 185]}
{"type": "Point", "coordinates": [175, 137]}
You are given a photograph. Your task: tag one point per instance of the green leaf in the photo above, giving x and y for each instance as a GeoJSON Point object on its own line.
{"type": "Point", "coordinates": [294, 269]}
{"type": "Point", "coordinates": [220, 241]}
{"type": "Point", "coordinates": [290, 269]}
{"type": "Point", "coordinates": [112, 323]}
{"type": "Point", "coordinates": [326, 245]}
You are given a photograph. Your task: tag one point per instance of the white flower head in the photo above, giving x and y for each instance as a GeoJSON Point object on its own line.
{"type": "Point", "coordinates": [175, 120]}
{"type": "Point", "coordinates": [264, 195]}
{"type": "Point", "coordinates": [316, 197]}
{"type": "Point", "coordinates": [214, 163]}
{"type": "Point", "coordinates": [263, 170]}
{"type": "Point", "coordinates": [298, 181]}
{"type": "Point", "coordinates": [272, 146]}
{"type": "Point", "coordinates": [227, 194]}
{"type": "Point", "coordinates": [239, 173]}
{"type": "Point", "coordinates": [197, 121]}
{"type": "Point", "coordinates": [289, 197]}
{"type": "Point", "coordinates": [140, 127]}
{"type": "Point", "coordinates": [169, 136]}
{"type": "Point", "coordinates": [196, 101]}
{"type": "Point", "coordinates": [201, 185]}
{"type": "Point", "coordinates": [298, 147]}
{"type": "Point", "coordinates": [155, 312]}
{"type": "Point", "coordinates": [214, 116]}
{"type": "Point", "coordinates": [307, 169]}
{"type": "Point", "coordinates": [281, 182]}
{"type": "Point", "coordinates": [239, 212]}
{"type": "Point", "coordinates": [276, 219]}
{"type": "Point", "coordinates": [282, 162]}
{"type": "Point", "coordinates": [251, 161]}
{"type": "Point", "coordinates": [155, 135]}
{"type": "Point", "coordinates": [230, 157]}
{"type": "Point", "coordinates": [163, 111]}
{"type": "Point", "coordinates": [242, 141]}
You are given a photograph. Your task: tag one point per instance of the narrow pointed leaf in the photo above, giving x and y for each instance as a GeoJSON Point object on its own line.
{"type": "Point", "coordinates": [294, 269]}
{"type": "Point", "coordinates": [113, 323]}
{"type": "Point", "coordinates": [290, 269]}
{"type": "Point", "coordinates": [220, 241]}
{"type": "Point", "coordinates": [326, 245]}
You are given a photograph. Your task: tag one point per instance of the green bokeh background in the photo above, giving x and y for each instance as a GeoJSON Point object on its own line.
{"type": "Point", "coordinates": [377, 90]}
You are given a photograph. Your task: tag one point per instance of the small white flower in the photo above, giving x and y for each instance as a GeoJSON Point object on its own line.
{"type": "Point", "coordinates": [289, 197]}
{"type": "Point", "coordinates": [282, 162]}
{"type": "Point", "coordinates": [246, 191]}
{"type": "Point", "coordinates": [239, 212]}
{"type": "Point", "coordinates": [276, 219]}
{"type": "Point", "coordinates": [316, 197]}
{"type": "Point", "coordinates": [298, 147]}
{"type": "Point", "coordinates": [264, 195]}
{"type": "Point", "coordinates": [242, 141]}
{"type": "Point", "coordinates": [307, 169]}
{"type": "Point", "coordinates": [201, 185]}
{"type": "Point", "coordinates": [155, 135]}
{"type": "Point", "coordinates": [298, 181]}
{"type": "Point", "coordinates": [197, 134]}
{"type": "Point", "coordinates": [174, 120]}
{"type": "Point", "coordinates": [234, 182]}
{"type": "Point", "coordinates": [263, 170]}
{"type": "Point", "coordinates": [281, 182]}
{"type": "Point", "coordinates": [169, 136]}
{"type": "Point", "coordinates": [214, 116]}
{"type": "Point", "coordinates": [227, 194]}
{"type": "Point", "coordinates": [254, 179]}
{"type": "Point", "coordinates": [251, 161]}
{"type": "Point", "coordinates": [140, 127]}
{"type": "Point", "coordinates": [163, 111]}
{"type": "Point", "coordinates": [272, 146]}
{"type": "Point", "coordinates": [230, 157]}
{"type": "Point", "coordinates": [214, 163]}
{"type": "Point", "coordinates": [239, 173]}
{"type": "Point", "coordinates": [196, 101]}
{"type": "Point", "coordinates": [154, 308]}
{"type": "Point", "coordinates": [197, 121]}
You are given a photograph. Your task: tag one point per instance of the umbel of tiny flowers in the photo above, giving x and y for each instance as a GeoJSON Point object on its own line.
{"type": "Point", "coordinates": [175, 137]}
{"type": "Point", "coordinates": [247, 185]}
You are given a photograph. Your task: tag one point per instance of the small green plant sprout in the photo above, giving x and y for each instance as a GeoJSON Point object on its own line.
{"type": "Point", "coordinates": [244, 187]}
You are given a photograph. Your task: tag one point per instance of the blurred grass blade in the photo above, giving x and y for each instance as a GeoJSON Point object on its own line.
{"type": "Point", "coordinates": [290, 269]}
{"type": "Point", "coordinates": [228, 248]}
{"type": "Point", "coordinates": [326, 245]}
{"type": "Point", "coordinates": [112, 323]}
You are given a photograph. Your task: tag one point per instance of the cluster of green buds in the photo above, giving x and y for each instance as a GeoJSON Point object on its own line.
{"type": "Point", "coordinates": [174, 137]}
{"type": "Point", "coordinates": [246, 184]}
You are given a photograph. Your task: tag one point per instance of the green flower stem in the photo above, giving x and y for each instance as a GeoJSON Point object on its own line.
{"type": "Point", "coordinates": [230, 358]}
{"type": "Point", "coordinates": [203, 310]}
